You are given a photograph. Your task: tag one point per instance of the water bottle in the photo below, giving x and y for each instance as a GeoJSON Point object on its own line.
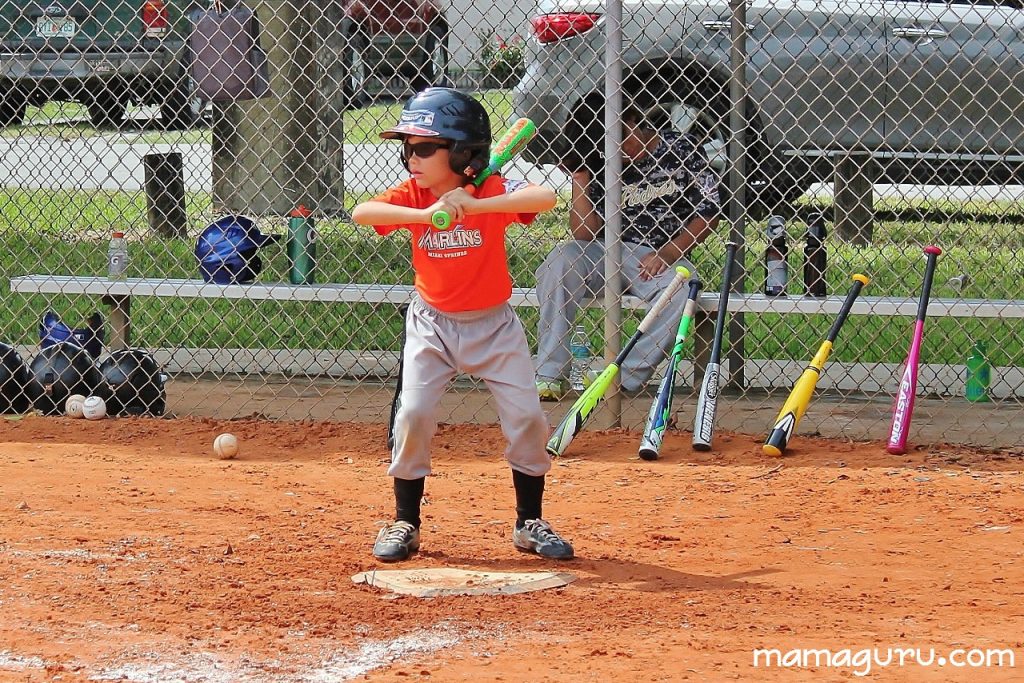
{"type": "Point", "coordinates": [117, 257]}
{"type": "Point", "coordinates": [776, 269]}
{"type": "Point", "coordinates": [815, 257]}
{"type": "Point", "coordinates": [979, 375]}
{"type": "Point", "coordinates": [301, 246]}
{"type": "Point", "coordinates": [580, 347]}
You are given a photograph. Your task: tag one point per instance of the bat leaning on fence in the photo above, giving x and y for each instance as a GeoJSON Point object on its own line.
{"type": "Point", "coordinates": [584, 406]}
{"type": "Point", "coordinates": [803, 390]}
{"type": "Point", "coordinates": [510, 144]}
{"type": "Point", "coordinates": [903, 408]}
{"type": "Point", "coordinates": [707, 399]}
{"type": "Point", "coordinates": [397, 397]}
{"type": "Point", "coordinates": [661, 408]}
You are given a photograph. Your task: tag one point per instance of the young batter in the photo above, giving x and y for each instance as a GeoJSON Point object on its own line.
{"type": "Point", "coordinates": [460, 320]}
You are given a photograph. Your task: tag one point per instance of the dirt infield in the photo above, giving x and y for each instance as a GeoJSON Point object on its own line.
{"type": "Point", "coordinates": [129, 552]}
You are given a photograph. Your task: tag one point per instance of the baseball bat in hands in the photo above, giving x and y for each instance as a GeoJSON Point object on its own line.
{"type": "Point", "coordinates": [903, 408]}
{"type": "Point", "coordinates": [583, 408]}
{"type": "Point", "coordinates": [803, 390]}
{"type": "Point", "coordinates": [510, 144]}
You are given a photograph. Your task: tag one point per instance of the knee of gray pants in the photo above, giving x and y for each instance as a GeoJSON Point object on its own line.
{"type": "Point", "coordinates": [561, 258]}
{"type": "Point", "coordinates": [415, 425]}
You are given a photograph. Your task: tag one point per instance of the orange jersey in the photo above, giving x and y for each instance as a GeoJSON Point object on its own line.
{"type": "Point", "coordinates": [464, 268]}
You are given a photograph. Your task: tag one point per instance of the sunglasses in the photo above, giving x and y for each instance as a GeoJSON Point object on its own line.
{"type": "Point", "coordinates": [424, 150]}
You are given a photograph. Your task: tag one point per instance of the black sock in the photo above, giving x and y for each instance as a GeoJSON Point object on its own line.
{"type": "Point", "coordinates": [529, 496]}
{"type": "Point", "coordinates": [408, 494]}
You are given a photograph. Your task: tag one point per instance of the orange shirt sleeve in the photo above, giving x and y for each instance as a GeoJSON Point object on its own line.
{"type": "Point", "coordinates": [400, 195]}
{"type": "Point", "coordinates": [496, 186]}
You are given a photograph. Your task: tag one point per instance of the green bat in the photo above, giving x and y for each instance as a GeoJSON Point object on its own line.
{"type": "Point", "coordinates": [510, 144]}
{"type": "Point", "coordinates": [661, 408]}
{"type": "Point", "coordinates": [583, 408]}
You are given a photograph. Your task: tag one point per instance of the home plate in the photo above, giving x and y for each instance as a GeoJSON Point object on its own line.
{"type": "Point", "coordinates": [432, 583]}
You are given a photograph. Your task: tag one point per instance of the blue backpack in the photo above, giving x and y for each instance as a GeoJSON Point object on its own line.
{"type": "Point", "coordinates": [228, 250]}
{"type": "Point", "coordinates": [53, 330]}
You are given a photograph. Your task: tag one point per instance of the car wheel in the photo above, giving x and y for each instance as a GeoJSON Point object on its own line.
{"type": "Point", "coordinates": [106, 109]}
{"type": "Point", "coordinates": [434, 67]}
{"type": "Point", "coordinates": [356, 70]}
{"type": "Point", "coordinates": [183, 108]}
{"type": "Point", "coordinates": [12, 108]}
{"type": "Point", "coordinates": [703, 112]}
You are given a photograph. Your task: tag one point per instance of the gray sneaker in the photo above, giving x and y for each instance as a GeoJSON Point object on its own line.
{"type": "Point", "coordinates": [396, 542]}
{"type": "Point", "coordinates": [538, 537]}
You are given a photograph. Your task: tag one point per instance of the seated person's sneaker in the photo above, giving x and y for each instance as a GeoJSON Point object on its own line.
{"type": "Point", "coordinates": [550, 389]}
{"type": "Point", "coordinates": [396, 542]}
{"type": "Point", "coordinates": [537, 536]}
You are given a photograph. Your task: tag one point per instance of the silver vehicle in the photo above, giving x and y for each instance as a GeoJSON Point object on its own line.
{"type": "Point", "coordinates": [932, 91]}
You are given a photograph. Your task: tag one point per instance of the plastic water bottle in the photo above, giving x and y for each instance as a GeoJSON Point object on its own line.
{"type": "Point", "coordinates": [581, 357]}
{"type": "Point", "coordinates": [775, 266]}
{"type": "Point", "coordinates": [301, 246]}
{"type": "Point", "coordinates": [979, 375]}
{"type": "Point", "coordinates": [815, 258]}
{"type": "Point", "coordinates": [117, 257]}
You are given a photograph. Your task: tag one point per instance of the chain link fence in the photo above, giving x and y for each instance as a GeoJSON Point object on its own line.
{"type": "Point", "coordinates": [898, 123]}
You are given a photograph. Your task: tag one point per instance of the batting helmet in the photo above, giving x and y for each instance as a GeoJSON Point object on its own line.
{"type": "Point", "coordinates": [59, 371]}
{"type": "Point", "coordinates": [450, 114]}
{"type": "Point", "coordinates": [13, 381]}
{"type": "Point", "coordinates": [228, 248]}
{"type": "Point", "coordinates": [134, 383]}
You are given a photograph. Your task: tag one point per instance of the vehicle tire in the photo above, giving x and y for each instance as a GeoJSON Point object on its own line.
{"type": "Point", "coordinates": [433, 68]}
{"type": "Point", "coordinates": [106, 109]}
{"type": "Point", "coordinates": [182, 108]}
{"type": "Point", "coordinates": [12, 108]}
{"type": "Point", "coordinates": [700, 107]}
{"type": "Point", "coordinates": [353, 87]}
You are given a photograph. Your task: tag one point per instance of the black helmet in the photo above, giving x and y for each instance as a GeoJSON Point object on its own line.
{"type": "Point", "coordinates": [450, 114]}
{"type": "Point", "coordinates": [13, 381]}
{"type": "Point", "coordinates": [59, 371]}
{"type": "Point", "coordinates": [134, 382]}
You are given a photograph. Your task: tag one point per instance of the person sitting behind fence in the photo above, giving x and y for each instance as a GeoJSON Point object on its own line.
{"type": "Point", "coordinates": [460, 320]}
{"type": "Point", "coordinates": [670, 204]}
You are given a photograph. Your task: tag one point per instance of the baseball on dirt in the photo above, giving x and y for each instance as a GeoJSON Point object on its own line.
{"type": "Point", "coordinates": [225, 446]}
{"type": "Point", "coordinates": [73, 406]}
{"type": "Point", "coordinates": [94, 408]}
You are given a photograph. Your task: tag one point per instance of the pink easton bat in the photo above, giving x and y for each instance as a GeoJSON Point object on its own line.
{"type": "Point", "coordinates": [903, 409]}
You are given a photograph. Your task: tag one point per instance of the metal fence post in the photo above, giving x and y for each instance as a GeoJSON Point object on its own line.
{"type": "Point", "coordinates": [613, 198]}
{"type": "Point", "coordinates": [738, 181]}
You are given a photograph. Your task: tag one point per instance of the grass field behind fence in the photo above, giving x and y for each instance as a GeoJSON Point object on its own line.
{"type": "Point", "coordinates": [71, 120]}
{"type": "Point", "coordinates": [67, 233]}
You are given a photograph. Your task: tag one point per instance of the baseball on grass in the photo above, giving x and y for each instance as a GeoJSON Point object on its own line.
{"type": "Point", "coordinates": [225, 446]}
{"type": "Point", "coordinates": [94, 408]}
{"type": "Point", "coordinates": [73, 406]}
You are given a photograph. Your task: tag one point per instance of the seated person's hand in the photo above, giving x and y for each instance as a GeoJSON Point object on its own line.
{"type": "Point", "coordinates": [652, 265]}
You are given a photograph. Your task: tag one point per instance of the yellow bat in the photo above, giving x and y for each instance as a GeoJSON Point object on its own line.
{"type": "Point", "coordinates": [803, 390]}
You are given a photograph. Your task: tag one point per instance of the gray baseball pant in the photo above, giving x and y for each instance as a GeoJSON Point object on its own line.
{"type": "Point", "coordinates": [489, 344]}
{"type": "Point", "coordinates": [573, 273]}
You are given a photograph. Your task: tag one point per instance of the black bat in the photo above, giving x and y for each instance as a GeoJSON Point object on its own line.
{"type": "Point", "coordinates": [707, 400]}
{"type": "Point", "coordinates": [396, 399]}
